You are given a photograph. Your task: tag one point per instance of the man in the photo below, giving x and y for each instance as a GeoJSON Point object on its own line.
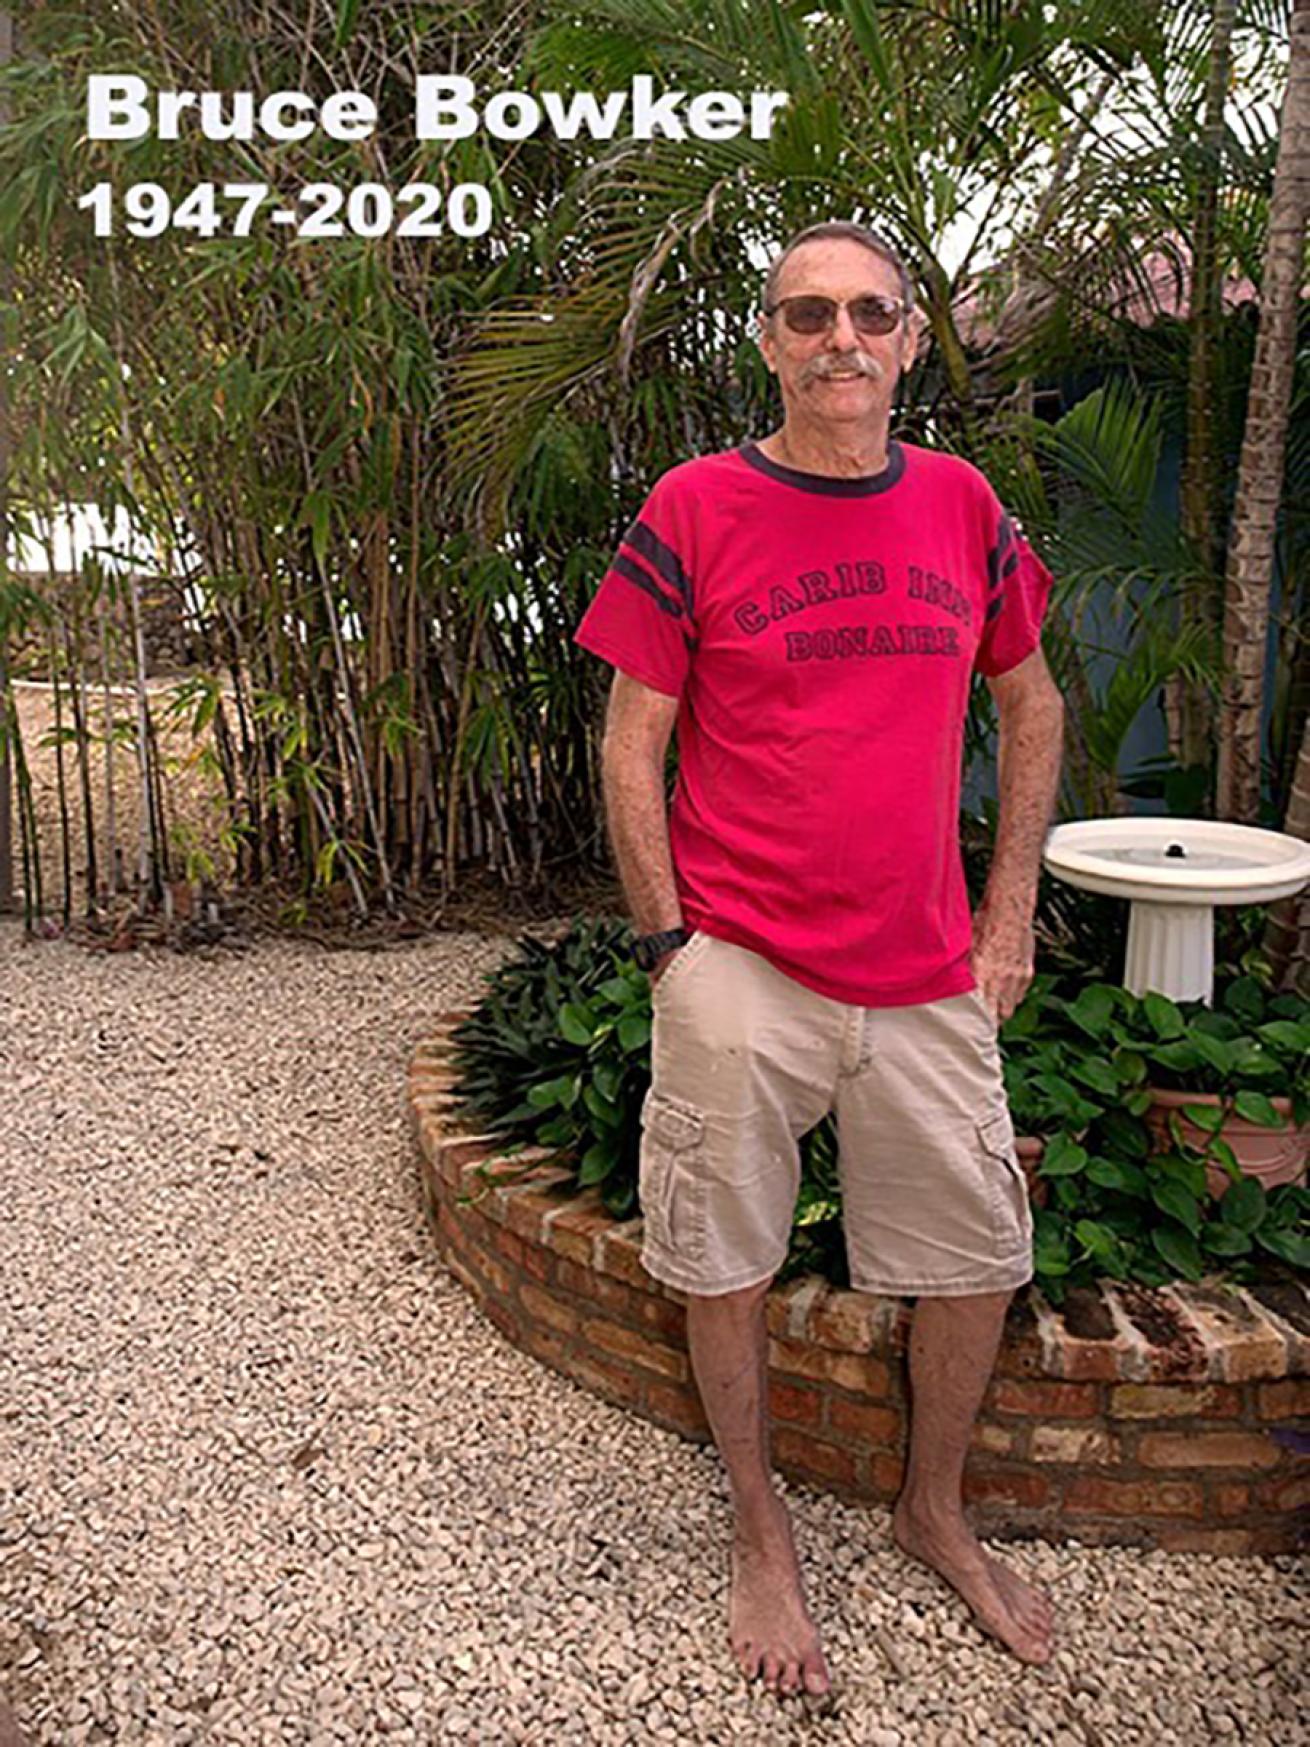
{"type": "Point", "coordinates": [809, 610]}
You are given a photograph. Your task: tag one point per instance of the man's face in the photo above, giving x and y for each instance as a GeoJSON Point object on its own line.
{"type": "Point", "coordinates": [838, 376]}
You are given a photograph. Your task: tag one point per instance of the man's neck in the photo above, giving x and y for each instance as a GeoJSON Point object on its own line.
{"type": "Point", "coordinates": [848, 453]}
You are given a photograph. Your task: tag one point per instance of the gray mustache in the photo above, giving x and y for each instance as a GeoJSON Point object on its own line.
{"type": "Point", "coordinates": [826, 366]}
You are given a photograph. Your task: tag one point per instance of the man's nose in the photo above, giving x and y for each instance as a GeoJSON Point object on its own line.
{"type": "Point", "coordinates": [843, 334]}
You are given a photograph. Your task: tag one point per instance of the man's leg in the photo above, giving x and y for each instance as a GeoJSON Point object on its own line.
{"type": "Point", "coordinates": [953, 1345]}
{"type": "Point", "coordinates": [769, 1624]}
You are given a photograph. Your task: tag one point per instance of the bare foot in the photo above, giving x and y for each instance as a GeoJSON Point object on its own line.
{"type": "Point", "coordinates": [769, 1625]}
{"type": "Point", "coordinates": [1003, 1603]}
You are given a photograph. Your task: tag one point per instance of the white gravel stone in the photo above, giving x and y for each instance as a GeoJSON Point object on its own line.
{"type": "Point", "coordinates": [267, 1475]}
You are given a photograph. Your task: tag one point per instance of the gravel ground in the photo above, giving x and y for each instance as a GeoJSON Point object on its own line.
{"type": "Point", "coordinates": [266, 1475]}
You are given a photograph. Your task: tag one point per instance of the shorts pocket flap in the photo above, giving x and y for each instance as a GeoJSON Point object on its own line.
{"type": "Point", "coordinates": [997, 1133]}
{"type": "Point", "coordinates": [675, 1125]}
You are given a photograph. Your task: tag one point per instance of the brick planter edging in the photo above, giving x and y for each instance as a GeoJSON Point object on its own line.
{"type": "Point", "coordinates": [1151, 1417]}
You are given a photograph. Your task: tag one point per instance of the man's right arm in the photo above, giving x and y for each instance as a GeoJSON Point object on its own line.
{"type": "Point", "coordinates": [638, 723]}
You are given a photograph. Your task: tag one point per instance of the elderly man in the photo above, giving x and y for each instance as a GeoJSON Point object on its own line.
{"type": "Point", "coordinates": [809, 609]}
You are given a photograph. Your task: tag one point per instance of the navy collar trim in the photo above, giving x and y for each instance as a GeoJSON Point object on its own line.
{"type": "Point", "coordinates": [826, 484]}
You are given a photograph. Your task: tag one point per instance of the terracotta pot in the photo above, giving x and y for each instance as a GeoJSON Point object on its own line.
{"type": "Point", "coordinates": [1271, 1155]}
{"type": "Point", "coordinates": [1028, 1147]}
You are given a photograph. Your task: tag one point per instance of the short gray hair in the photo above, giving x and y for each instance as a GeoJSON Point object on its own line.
{"type": "Point", "coordinates": [850, 232]}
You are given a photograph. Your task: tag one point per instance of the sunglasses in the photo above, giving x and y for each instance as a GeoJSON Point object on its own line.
{"type": "Point", "coordinates": [871, 314]}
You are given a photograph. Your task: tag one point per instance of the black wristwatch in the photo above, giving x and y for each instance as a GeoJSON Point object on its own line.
{"type": "Point", "coordinates": [649, 949]}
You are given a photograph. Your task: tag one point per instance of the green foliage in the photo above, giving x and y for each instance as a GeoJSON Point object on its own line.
{"type": "Point", "coordinates": [557, 1054]}
{"type": "Point", "coordinates": [1078, 1073]}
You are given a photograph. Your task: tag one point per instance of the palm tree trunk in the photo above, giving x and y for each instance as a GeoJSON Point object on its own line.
{"type": "Point", "coordinates": [1187, 709]}
{"type": "Point", "coordinates": [1287, 931]}
{"type": "Point", "coordinates": [1264, 443]}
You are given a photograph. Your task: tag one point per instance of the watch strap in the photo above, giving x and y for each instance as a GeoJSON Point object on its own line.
{"type": "Point", "coordinates": [648, 949]}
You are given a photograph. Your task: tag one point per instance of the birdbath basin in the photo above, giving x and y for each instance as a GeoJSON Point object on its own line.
{"type": "Point", "coordinates": [1173, 872]}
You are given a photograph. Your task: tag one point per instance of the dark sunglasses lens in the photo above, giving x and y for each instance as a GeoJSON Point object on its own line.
{"type": "Point", "coordinates": [809, 315]}
{"type": "Point", "coordinates": [874, 315]}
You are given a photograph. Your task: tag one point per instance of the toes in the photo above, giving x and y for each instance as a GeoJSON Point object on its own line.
{"type": "Point", "coordinates": [747, 1657]}
{"type": "Point", "coordinates": [772, 1669]}
{"type": "Point", "coordinates": [791, 1677]}
{"type": "Point", "coordinates": [816, 1675]}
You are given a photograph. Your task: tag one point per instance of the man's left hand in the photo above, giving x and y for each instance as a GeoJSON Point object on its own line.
{"type": "Point", "coordinates": [1002, 960]}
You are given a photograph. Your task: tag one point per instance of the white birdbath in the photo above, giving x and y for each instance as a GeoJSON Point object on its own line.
{"type": "Point", "coordinates": [1173, 872]}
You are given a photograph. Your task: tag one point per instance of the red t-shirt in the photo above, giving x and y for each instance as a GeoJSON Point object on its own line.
{"type": "Point", "coordinates": [819, 634]}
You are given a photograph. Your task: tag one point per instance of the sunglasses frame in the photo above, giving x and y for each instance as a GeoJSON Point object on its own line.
{"type": "Point", "coordinates": [834, 305]}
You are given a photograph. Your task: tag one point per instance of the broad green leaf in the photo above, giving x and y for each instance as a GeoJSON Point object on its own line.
{"type": "Point", "coordinates": [1096, 1072]}
{"type": "Point", "coordinates": [576, 1023]}
{"type": "Point", "coordinates": [1226, 1240]}
{"type": "Point", "coordinates": [1210, 1117]}
{"type": "Point", "coordinates": [1244, 1204]}
{"type": "Point", "coordinates": [1289, 1246]}
{"type": "Point", "coordinates": [1256, 1107]}
{"type": "Point", "coordinates": [1221, 1056]}
{"type": "Point", "coordinates": [634, 1032]}
{"type": "Point", "coordinates": [597, 1163]}
{"type": "Point", "coordinates": [1062, 1157]}
{"type": "Point", "coordinates": [1287, 1035]}
{"type": "Point", "coordinates": [1101, 1244]}
{"type": "Point", "coordinates": [1093, 1008]}
{"type": "Point", "coordinates": [1180, 1249]}
{"type": "Point", "coordinates": [1180, 1203]}
{"type": "Point", "coordinates": [1118, 1174]}
{"type": "Point", "coordinates": [1162, 1015]}
{"type": "Point", "coordinates": [1180, 1057]}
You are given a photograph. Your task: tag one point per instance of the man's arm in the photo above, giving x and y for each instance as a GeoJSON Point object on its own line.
{"type": "Point", "coordinates": [1030, 711]}
{"type": "Point", "coordinates": [638, 723]}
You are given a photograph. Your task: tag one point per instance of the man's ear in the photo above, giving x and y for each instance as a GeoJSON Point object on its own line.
{"type": "Point", "coordinates": [917, 324]}
{"type": "Point", "coordinates": [764, 340]}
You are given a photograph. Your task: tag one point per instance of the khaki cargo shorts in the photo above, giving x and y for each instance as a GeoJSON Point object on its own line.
{"type": "Point", "coordinates": [745, 1060]}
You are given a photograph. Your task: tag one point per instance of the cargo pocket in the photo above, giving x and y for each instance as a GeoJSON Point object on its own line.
{"type": "Point", "coordinates": [671, 1183]}
{"type": "Point", "coordinates": [681, 960]}
{"type": "Point", "coordinates": [1007, 1185]}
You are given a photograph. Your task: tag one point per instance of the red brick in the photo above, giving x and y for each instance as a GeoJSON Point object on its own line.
{"type": "Point", "coordinates": [787, 1308]}
{"type": "Point", "coordinates": [878, 1426]}
{"type": "Point", "coordinates": [1290, 1492]}
{"type": "Point", "coordinates": [614, 1382]}
{"type": "Point", "coordinates": [1088, 1446]}
{"type": "Point", "coordinates": [620, 1255]}
{"type": "Point", "coordinates": [679, 1408]}
{"type": "Point", "coordinates": [1006, 1486]}
{"type": "Point", "coordinates": [1232, 1498]}
{"type": "Point", "coordinates": [861, 1373]}
{"type": "Point", "coordinates": [638, 1349]}
{"type": "Point", "coordinates": [1289, 1399]}
{"type": "Point", "coordinates": [574, 1277]}
{"type": "Point", "coordinates": [812, 1457]}
{"type": "Point", "coordinates": [504, 1319]}
{"type": "Point", "coordinates": [1091, 1361]}
{"type": "Point", "coordinates": [788, 1402]}
{"type": "Point", "coordinates": [1137, 1498]}
{"type": "Point", "coordinates": [546, 1344]}
{"type": "Point", "coordinates": [544, 1307]}
{"type": "Point", "coordinates": [1175, 1401]}
{"type": "Point", "coordinates": [996, 1440]}
{"type": "Point", "coordinates": [1020, 1357]}
{"type": "Point", "coordinates": [1177, 1538]}
{"type": "Point", "coordinates": [1045, 1400]}
{"type": "Point", "coordinates": [849, 1321]}
{"type": "Point", "coordinates": [639, 1309]}
{"type": "Point", "coordinates": [887, 1473]}
{"type": "Point", "coordinates": [525, 1211]}
{"type": "Point", "coordinates": [490, 1267]}
{"type": "Point", "coordinates": [1207, 1450]}
{"type": "Point", "coordinates": [471, 1283]}
{"type": "Point", "coordinates": [572, 1231]}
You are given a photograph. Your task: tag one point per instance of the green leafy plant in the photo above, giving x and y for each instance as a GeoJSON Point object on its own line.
{"type": "Point", "coordinates": [558, 1054]}
{"type": "Point", "coordinates": [1079, 1074]}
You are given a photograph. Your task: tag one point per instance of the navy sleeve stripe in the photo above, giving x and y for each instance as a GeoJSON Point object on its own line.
{"type": "Point", "coordinates": [1011, 563]}
{"type": "Point", "coordinates": [1004, 536]}
{"type": "Point", "coordinates": [626, 567]}
{"type": "Point", "coordinates": [647, 544]}
{"type": "Point", "coordinates": [993, 607]}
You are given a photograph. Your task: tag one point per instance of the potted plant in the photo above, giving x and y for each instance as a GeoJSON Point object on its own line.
{"type": "Point", "coordinates": [1231, 1082]}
